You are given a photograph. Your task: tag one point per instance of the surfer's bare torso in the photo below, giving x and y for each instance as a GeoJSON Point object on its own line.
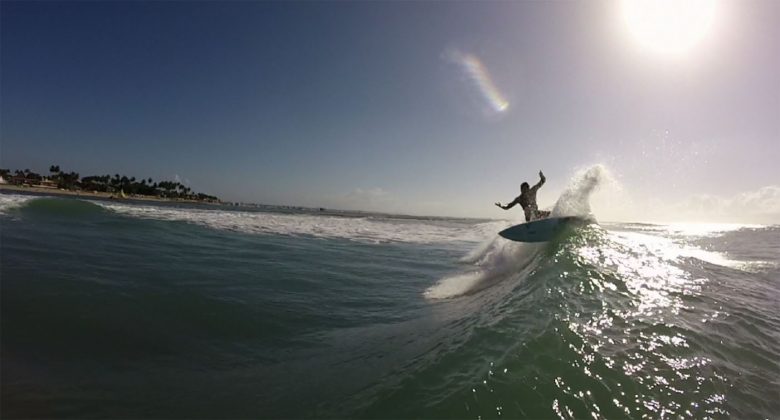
{"type": "Point", "coordinates": [527, 200]}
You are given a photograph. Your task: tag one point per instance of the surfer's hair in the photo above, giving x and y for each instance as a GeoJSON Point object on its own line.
{"type": "Point", "coordinates": [524, 186]}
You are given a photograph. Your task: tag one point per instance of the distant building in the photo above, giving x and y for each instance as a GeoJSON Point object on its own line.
{"type": "Point", "coordinates": [20, 180]}
{"type": "Point", "coordinates": [47, 183]}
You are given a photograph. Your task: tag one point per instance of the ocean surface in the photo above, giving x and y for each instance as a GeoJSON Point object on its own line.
{"type": "Point", "coordinates": [138, 310]}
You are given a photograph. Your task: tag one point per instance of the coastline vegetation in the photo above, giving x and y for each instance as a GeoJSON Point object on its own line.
{"type": "Point", "coordinates": [119, 186]}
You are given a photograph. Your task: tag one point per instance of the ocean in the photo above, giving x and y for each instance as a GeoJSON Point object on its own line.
{"type": "Point", "coordinates": [137, 310]}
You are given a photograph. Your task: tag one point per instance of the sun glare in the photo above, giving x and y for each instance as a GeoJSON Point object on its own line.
{"type": "Point", "coordinates": [669, 26]}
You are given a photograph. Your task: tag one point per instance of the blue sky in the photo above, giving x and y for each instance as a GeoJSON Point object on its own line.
{"type": "Point", "coordinates": [361, 104]}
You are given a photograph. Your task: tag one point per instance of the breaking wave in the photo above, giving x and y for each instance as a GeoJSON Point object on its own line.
{"type": "Point", "coordinates": [498, 259]}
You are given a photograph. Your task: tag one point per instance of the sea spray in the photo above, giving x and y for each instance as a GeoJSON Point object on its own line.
{"type": "Point", "coordinates": [575, 200]}
{"type": "Point", "coordinates": [491, 262]}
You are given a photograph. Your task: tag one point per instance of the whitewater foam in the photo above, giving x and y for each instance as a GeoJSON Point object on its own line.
{"type": "Point", "coordinates": [363, 229]}
{"type": "Point", "coordinates": [10, 201]}
{"type": "Point", "coordinates": [491, 262]}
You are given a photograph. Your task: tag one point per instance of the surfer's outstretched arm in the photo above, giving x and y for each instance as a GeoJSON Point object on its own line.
{"type": "Point", "coordinates": [541, 181]}
{"type": "Point", "coordinates": [508, 206]}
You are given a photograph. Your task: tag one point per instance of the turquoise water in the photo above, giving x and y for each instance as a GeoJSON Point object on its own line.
{"type": "Point", "coordinates": [136, 310]}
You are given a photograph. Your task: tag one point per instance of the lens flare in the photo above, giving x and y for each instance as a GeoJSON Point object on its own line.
{"type": "Point", "coordinates": [669, 26]}
{"type": "Point", "coordinates": [478, 74]}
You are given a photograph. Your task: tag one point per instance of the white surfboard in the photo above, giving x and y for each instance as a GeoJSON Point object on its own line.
{"type": "Point", "coordinates": [541, 230]}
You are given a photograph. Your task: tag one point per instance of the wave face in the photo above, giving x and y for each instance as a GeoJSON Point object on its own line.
{"type": "Point", "coordinates": [136, 310]}
{"type": "Point", "coordinates": [607, 323]}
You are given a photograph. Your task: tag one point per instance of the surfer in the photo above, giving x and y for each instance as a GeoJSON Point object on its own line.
{"type": "Point", "coordinates": [527, 200]}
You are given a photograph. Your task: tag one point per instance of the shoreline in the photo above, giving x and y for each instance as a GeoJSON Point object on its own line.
{"type": "Point", "coordinates": [95, 194]}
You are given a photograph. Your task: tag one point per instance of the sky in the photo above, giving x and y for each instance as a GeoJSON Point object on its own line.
{"type": "Point", "coordinates": [433, 108]}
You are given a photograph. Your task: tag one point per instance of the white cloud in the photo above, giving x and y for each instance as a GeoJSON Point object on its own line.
{"type": "Point", "coordinates": [765, 200]}
{"type": "Point", "coordinates": [371, 199]}
{"type": "Point", "coordinates": [370, 193]}
{"type": "Point", "coordinates": [757, 206]}
{"type": "Point", "coordinates": [762, 206]}
{"type": "Point", "coordinates": [181, 180]}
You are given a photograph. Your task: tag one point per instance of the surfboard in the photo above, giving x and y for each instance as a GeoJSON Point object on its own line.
{"type": "Point", "coordinates": [541, 230]}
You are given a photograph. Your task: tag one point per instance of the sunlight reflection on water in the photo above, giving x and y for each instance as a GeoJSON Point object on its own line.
{"type": "Point", "coordinates": [641, 338]}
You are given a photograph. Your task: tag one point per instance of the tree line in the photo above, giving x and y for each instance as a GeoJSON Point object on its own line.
{"type": "Point", "coordinates": [104, 183]}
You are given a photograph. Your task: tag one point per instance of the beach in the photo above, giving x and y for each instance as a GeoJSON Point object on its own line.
{"type": "Point", "coordinates": [88, 194]}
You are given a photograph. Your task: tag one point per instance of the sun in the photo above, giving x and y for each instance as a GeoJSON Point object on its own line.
{"type": "Point", "coordinates": [669, 26]}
